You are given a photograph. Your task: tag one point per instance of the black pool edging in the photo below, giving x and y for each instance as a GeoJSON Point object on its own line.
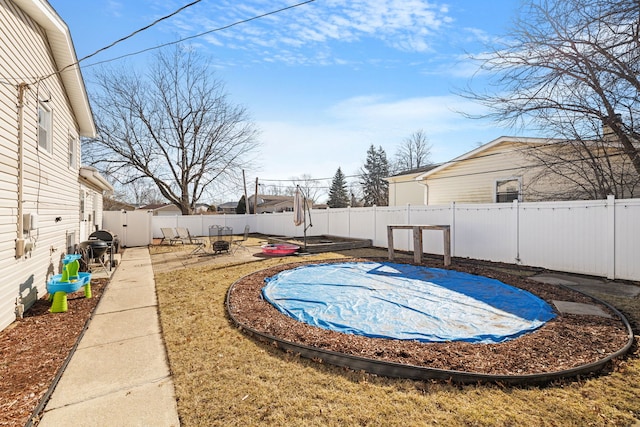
{"type": "Point", "coordinates": [398, 370]}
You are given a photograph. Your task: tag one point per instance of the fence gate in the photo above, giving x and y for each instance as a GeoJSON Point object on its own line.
{"type": "Point", "coordinates": [132, 227]}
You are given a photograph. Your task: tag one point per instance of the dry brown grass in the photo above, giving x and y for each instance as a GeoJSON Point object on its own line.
{"type": "Point", "coordinates": [222, 377]}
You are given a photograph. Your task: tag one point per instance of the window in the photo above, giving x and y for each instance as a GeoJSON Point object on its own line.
{"type": "Point", "coordinates": [44, 127]}
{"type": "Point", "coordinates": [71, 242]}
{"type": "Point", "coordinates": [507, 190]}
{"type": "Point", "coordinates": [73, 152]}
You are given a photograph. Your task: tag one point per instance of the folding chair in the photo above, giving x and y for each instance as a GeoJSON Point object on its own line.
{"type": "Point", "coordinates": [169, 234]}
{"type": "Point", "coordinates": [239, 243]}
{"type": "Point", "coordinates": [185, 237]}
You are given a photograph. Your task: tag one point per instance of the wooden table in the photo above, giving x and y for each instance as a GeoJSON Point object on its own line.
{"type": "Point", "coordinates": [417, 240]}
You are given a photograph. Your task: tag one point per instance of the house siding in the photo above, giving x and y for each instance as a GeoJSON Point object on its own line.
{"type": "Point", "coordinates": [51, 187]}
{"type": "Point", "coordinates": [472, 180]}
{"type": "Point", "coordinates": [404, 190]}
{"type": "Point", "coordinates": [91, 218]}
{"type": "Point", "coordinates": [473, 177]}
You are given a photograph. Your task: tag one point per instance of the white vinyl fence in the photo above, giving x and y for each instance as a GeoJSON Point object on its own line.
{"type": "Point", "coordinates": [599, 238]}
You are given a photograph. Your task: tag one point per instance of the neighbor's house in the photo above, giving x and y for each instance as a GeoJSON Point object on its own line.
{"type": "Point", "coordinates": [405, 190]}
{"type": "Point", "coordinates": [201, 208]}
{"type": "Point", "coordinates": [272, 204]}
{"type": "Point", "coordinates": [162, 209]}
{"type": "Point", "coordinates": [227, 208]}
{"type": "Point", "coordinates": [44, 111]}
{"type": "Point", "coordinates": [500, 171]}
{"type": "Point", "coordinates": [492, 173]}
{"type": "Point", "coordinates": [169, 209]}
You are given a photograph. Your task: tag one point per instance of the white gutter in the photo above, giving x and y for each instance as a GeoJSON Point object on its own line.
{"type": "Point", "coordinates": [92, 175]}
{"type": "Point", "coordinates": [425, 196]}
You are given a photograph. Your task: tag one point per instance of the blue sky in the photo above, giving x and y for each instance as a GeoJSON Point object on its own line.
{"type": "Point", "coordinates": [325, 80]}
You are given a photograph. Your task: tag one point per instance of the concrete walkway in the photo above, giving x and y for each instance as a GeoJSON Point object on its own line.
{"type": "Point", "coordinates": [589, 285]}
{"type": "Point", "coordinates": [119, 375]}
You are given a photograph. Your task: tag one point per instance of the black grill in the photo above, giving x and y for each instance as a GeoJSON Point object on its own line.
{"type": "Point", "coordinates": [95, 248]}
{"type": "Point", "coordinates": [106, 236]}
{"type": "Point", "coordinates": [110, 240]}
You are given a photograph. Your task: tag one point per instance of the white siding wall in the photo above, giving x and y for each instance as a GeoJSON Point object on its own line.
{"type": "Point", "coordinates": [50, 186]}
{"type": "Point", "coordinates": [404, 190]}
{"type": "Point", "coordinates": [473, 180]}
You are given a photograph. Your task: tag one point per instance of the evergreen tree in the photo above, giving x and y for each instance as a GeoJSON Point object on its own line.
{"type": "Point", "coordinates": [242, 206]}
{"type": "Point", "coordinates": [338, 195]}
{"type": "Point", "coordinates": [372, 178]}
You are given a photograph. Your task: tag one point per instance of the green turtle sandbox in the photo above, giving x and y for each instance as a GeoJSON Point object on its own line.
{"type": "Point", "coordinates": [71, 280]}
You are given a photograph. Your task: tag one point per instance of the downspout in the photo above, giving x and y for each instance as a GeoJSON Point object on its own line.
{"type": "Point", "coordinates": [425, 197]}
{"type": "Point", "coordinates": [22, 87]}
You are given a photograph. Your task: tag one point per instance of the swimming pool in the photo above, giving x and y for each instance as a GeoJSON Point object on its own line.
{"type": "Point", "coordinates": [406, 302]}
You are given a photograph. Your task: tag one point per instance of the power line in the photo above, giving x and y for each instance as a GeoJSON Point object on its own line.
{"type": "Point", "coordinates": [454, 161]}
{"type": "Point", "coordinates": [136, 32]}
{"type": "Point", "coordinates": [451, 162]}
{"type": "Point", "coordinates": [201, 34]}
{"type": "Point", "coordinates": [146, 27]}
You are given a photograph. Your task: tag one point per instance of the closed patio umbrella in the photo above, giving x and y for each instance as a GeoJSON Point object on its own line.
{"type": "Point", "coordinates": [298, 208]}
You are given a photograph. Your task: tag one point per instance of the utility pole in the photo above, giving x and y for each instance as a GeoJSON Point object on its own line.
{"type": "Point", "coordinates": [255, 198]}
{"type": "Point", "coordinates": [246, 199]}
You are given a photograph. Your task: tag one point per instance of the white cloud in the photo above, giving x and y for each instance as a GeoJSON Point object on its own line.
{"type": "Point", "coordinates": [341, 135]}
{"type": "Point", "coordinates": [115, 8]}
{"type": "Point", "coordinates": [440, 113]}
{"type": "Point", "coordinates": [406, 25]}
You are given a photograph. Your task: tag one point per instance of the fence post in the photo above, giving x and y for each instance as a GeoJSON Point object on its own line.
{"type": "Point", "coordinates": [327, 221]}
{"type": "Point", "coordinates": [124, 224]}
{"type": "Point", "coordinates": [452, 228]}
{"type": "Point", "coordinates": [516, 206]}
{"type": "Point", "coordinates": [375, 223]}
{"type": "Point", "coordinates": [611, 237]}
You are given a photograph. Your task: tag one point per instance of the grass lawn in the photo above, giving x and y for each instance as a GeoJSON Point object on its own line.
{"type": "Point", "coordinates": [223, 377]}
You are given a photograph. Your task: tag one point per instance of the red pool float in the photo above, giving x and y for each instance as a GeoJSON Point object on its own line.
{"type": "Point", "coordinates": [279, 249]}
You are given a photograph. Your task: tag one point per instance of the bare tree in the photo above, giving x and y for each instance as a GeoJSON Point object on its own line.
{"type": "Point", "coordinates": [311, 187]}
{"type": "Point", "coordinates": [275, 190]}
{"type": "Point", "coordinates": [175, 126]}
{"type": "Point", "coordinates": [413, 152]}
{"type": "Point", "coordinates": [571, 68]}
{"type": "Point", "coordinates": [144, 192]}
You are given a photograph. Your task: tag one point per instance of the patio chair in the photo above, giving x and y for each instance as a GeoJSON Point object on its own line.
{"type": "Point", "coordinates": [239, 243]}
{"type": "Point", "coordinates": [170, 235]}
{"type": "Point", "coordinates": [186, 238]}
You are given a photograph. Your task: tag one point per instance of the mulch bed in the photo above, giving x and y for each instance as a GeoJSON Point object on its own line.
{"type": "Point", "coordinates": [33, 349]}
{"type": "Point", "coordinates": [567, 341]}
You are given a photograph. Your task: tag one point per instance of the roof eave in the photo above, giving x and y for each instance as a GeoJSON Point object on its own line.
{"type": "Point", "coordinates": [484, 147]}
{"type": "Point", "coordinates": [92, 175]}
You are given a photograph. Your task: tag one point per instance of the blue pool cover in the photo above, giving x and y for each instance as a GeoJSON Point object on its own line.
{"type": "Point", "coordinates": [407, 302]}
